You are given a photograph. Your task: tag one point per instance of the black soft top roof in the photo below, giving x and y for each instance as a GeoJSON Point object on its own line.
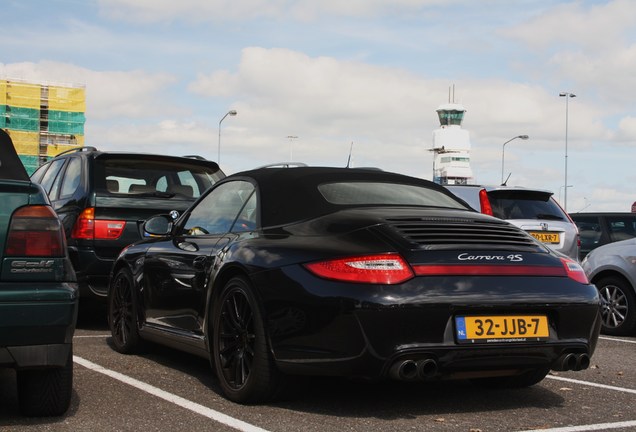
{"type": "Point", "coordinates": [291, 194]}
{"type": "Point", "coordinates": [11, 167]}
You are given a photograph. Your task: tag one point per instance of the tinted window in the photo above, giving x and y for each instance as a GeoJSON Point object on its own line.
{"type": "Point", "coordinates": [247, 219]}
{"type": "Point", "coordinates": [525, 205]}
{"type": "Point", "coordinates": [36, 177]}
{"type": "Point", "coordinates": [217, 212]}
{"type": "Point", "coordinates": [136, 175]}
{"type": "Point", "coordinates": [371, 193]}
{"type": "Point", "coordinates": [590, 232]}
{"type": "Point", "coordinates": [51, 174]}
{"type": "Point", "coordinates": [72, 177]}
{"type": "Point", "coordinates": [621, 228]}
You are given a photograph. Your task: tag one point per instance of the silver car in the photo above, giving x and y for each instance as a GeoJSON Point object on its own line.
{"type": "Point", "coordinates": [532, 210]}
{"type": "Point", "coordinates": [612, 268]}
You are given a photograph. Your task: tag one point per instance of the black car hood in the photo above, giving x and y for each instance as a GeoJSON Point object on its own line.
{"type": "Point", "coordinates": [11, 167]}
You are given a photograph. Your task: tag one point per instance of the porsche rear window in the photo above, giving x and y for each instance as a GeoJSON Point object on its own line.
{"type": "Point", "coordinates": [376, 193]}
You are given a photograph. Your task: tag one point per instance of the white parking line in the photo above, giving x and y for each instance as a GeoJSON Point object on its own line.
{"type": "Point", "coordinates": [177, 400]}
{"type": "Point", "coordinates": [594, 427]}
{"type": "Point", "coordinates": [617, 339]}
{"type": "Point", "coordinates": [92, 336]}
{"type": "Point", "coordinates": [591, 427]}
{"type": "Point", "coordinates": [591, 384]}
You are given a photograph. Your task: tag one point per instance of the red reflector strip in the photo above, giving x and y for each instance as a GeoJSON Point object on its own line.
{"type": "Point", "coordinates": [487, 270]}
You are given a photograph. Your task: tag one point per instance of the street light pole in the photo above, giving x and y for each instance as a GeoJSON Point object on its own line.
{"type": "Point", "coordinates": [567, 97]}
{"type": "Point", "coordinates": [218, 157]}
{"type": "Point", "coordinates": [291, 146]}
{"type": "Point", "coordinates": [503, 150]}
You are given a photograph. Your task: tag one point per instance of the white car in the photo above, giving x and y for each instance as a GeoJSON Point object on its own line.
{"type": "Point", "coordinates": [532, 210]}
{"type": "Point", "coordinates": [612, 268]}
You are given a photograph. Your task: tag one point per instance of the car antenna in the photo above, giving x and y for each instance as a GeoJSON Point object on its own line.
{"type": "Point", "coordinates": [350, 151]}
{"type": "Point", "coordinates": [507, 178]}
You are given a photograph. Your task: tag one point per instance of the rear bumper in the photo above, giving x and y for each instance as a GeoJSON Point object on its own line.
{"type": "Point", "coordinates": [37, 324]}
{"type": "Point", "coordinates": [35, 356]}
{"type": "Point", "coordinates": [322, 327]}
{"type": "Point", "coordinates": [449, 362]}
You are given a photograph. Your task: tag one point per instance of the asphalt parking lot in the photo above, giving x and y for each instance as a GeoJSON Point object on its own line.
{"type": "Point", "coordinates": [166, 390]}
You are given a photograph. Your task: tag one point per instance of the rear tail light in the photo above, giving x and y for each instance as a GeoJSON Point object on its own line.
{"type": "Point", "coordinates": [35, 231]}
{"type": "Point", "coordinates": [575, 271]}
{"type": "Point", "coordinates": [88, 228]}
{"type": "Point", "coordinates": [377, 269]}
{"type": "Point", "coordinates": [484, 202]}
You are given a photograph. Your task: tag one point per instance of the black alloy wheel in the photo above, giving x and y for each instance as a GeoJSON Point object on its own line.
{"type": "Point", "coordinates": [122, 314]}
{"type": "Point", "coordinates": [243, 364]}
{"type": "Point", "coordinates": [618, 306]}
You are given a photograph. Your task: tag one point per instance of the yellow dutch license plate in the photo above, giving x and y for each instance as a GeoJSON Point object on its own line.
{"type": "Point", "coordinates": [547, 237]}
{"type": "Point", "coordinates": [504, 328]}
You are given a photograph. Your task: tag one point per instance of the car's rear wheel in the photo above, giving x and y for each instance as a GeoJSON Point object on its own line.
{"type": "Point", "coordinates": [45, 392]}
{"type": "Point", "coordinates": [122, 313]}
{"type": "Point", "coordinates": [618, 306]}
{"type": "Point", "coordinates": [243, 364]}
{"type": "Point", "coordinates": [525, 379]}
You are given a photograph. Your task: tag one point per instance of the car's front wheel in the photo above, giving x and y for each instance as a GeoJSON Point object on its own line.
{"type": "Point", "coordinates": [618, 306]}
{"type": "Point", "coordinates": [122, 313]}
{"type": "Point", "coordinates": [45, 392]}
{"type": "Point", "coordinates": [243, 364]}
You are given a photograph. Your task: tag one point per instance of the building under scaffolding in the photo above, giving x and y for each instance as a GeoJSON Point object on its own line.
{"type": "Point", "coordinates": [43, 120]}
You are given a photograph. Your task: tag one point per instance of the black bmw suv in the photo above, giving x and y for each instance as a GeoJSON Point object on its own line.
{"type": "Point", "coordinates": [103, 198]}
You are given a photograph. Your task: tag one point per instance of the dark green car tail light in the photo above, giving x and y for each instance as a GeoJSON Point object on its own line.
{"type": "Point", "coordinates": [35, 231]}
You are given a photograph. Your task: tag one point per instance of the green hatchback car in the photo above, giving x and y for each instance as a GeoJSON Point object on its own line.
{"type": "Point", "coordinates": [38, 292]}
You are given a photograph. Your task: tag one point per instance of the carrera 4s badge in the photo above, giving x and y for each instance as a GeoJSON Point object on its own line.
{"type": "Point", "coordinates": [510, 257]}
{"type": "Point", "coordinates": [41, 266]}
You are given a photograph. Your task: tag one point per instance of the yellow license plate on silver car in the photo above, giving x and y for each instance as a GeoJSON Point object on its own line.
{"type": "Point", "coordinates": [546, 237]}
{"type": "Point", "coordinates": [501, 328]}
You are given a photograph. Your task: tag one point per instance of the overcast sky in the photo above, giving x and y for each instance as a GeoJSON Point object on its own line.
{"type": "Point", "coordinates": [161, 74]}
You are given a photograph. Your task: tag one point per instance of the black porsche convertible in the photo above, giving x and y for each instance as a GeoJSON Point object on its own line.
{"type": "Point", "coordinates": [350, 272]}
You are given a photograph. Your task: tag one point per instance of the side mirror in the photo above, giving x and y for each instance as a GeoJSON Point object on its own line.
{"type": "Point", "coordinates": [160, 225]}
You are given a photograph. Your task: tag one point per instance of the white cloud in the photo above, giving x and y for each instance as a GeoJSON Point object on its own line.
{"type": "Point", "coordinates": [149, 11]}
{"type": "Point", "coordinates": [627, 130]}
{"type": "Point", "coordinates": [318, 94]}
{"type": "Point", "coordinates": [591, 48]}
{"type": "Point", "coordinates": [165, 137]}
{"type": "Point", "coordinates": [592, 29]}
{"type": "Point", "coordinates": [109, 94]}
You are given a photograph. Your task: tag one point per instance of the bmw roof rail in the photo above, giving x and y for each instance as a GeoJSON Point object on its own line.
{"type": "Point", "coordinates": [284, 165]}
{"type": "Point", "coordinates": [195, 157]}
{"type": "Point", "coordinates": [77, 149]}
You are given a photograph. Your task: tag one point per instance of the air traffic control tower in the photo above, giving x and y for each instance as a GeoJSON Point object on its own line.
{"type": "Point", "coordinates": [451, 147]}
